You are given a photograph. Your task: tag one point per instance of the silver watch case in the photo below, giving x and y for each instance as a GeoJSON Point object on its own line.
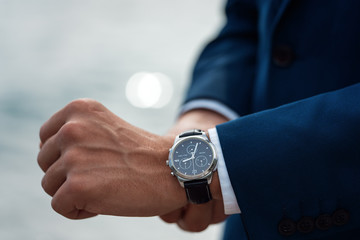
{"type": "Point", "coordinates": [205, 175]}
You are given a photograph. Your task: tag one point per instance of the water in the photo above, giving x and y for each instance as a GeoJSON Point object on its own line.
{"type": "Point", "coordinates": [52, 52]}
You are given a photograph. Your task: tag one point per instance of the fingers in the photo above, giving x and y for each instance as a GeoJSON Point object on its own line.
{"type": "Point", "coordinates": [61, 132]}
{"type": "Point", "coordinates": [54, 177]}
{"type": "Point", "coordinates": [48, 154]}
{"type": "Point", "coordinates": [65, 203]}
{"type": "Point", "coordinates": [57, 132]}
{"type": "Point", "coordinates": [52, 126]}
{"type": "Point", "coordinates": [173, 216]}
{"type": "Point", "coordinates": [196, 218]}
{"type": "Point", "coordinates": [218, 212]}
{"type": "Point", "coordinates": [78, 106]}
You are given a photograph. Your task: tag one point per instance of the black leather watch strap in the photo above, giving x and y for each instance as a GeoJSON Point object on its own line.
{"type": "Point", "coordinates": [191, 133]}
{"type": "Point", "coordinates": [198, 191]}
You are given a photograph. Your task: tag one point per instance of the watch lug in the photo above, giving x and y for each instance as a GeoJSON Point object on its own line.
{"type": "Point", "coordinates": [209, 179]}
{"type": "Point", "coordinates": [181, 182]}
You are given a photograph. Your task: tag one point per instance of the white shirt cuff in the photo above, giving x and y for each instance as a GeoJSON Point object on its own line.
{"type": "Point", "coordinates": [231, 205]}
{"type": "Point", "coordinates": [209, 104]}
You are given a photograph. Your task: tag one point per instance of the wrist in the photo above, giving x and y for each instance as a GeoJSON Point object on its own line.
{"type": "Point", "coordinates": [173, 191]}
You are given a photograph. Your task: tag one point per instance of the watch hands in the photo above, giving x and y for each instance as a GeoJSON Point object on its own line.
{"type": "Point", "coordinates": [193, 154]}
{"type": "Point", "coordinates": [188, 159]}
{"type": "Point", "coordinates": [193, 157]}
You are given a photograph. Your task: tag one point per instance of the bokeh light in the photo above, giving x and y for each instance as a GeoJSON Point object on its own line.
{"type": "Point", "coordinates": [149, 90]}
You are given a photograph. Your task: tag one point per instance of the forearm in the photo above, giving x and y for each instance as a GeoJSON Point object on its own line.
{"type": "Point", "coordinates": [196, 119]}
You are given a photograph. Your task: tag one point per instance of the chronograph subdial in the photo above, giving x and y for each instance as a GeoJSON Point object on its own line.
{"type": "Point", "coordinates": [186, 163]}
{"type": "Point", "coordinates": [190, 148]}
{"type": "Point", "coordinates": [201, 161]}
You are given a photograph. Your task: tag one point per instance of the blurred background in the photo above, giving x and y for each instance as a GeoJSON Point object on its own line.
{"type": "Point", "coordinates": [134, 56]}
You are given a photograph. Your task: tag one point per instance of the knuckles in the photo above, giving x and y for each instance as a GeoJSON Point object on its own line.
{"type": "Point", "coordinates": [82, 105]}
{"type": "Point", "coordinates": [69, 140]}
{"type": "Point", "coordinates": [75, 186]}
{"type": "Point", "coordinates": [75, 107]}
{"type": "Point", "coordinates": [71, 131]}
{"type": "Point", "coordinates": [71, 158]}
{"type": "Point", "coordinates": [73, 190]}
{"type": "Point", "coordinates": [75, 120]}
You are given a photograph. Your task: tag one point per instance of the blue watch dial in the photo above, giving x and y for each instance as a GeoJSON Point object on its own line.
{"type": "Point", "coordinates": [192, 156]}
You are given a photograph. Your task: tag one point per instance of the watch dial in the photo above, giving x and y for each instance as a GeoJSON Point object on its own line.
{"type": "Point", "coordinates": [192, 156]}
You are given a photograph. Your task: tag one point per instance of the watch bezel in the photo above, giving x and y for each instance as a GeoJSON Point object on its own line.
{"type": "Point", "coordinates": [206, 174]}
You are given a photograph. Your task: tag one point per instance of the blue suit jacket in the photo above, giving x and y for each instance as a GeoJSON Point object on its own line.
{"type": "Point", "coordinates": [291, 69]}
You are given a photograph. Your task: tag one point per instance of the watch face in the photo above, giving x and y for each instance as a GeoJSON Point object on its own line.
{"type": "Point", "coordinates": [192, 157]}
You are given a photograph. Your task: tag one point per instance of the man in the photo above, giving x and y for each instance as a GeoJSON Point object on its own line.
{"type": "Point", "coordinates": [286, 74]}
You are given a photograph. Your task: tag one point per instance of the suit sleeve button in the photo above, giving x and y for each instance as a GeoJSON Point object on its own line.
{"type": "Point", "coordinates": [340, 217]}
{"type": "Point", "coordinates": [287, 227]}
{"type": "Point", "coordinates": [305, 225]}
{"type": "Point", "coordinates": [324, 222]}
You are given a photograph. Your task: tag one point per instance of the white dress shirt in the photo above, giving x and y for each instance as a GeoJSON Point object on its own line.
{"type": "Point", "coordinates": [230, 203]}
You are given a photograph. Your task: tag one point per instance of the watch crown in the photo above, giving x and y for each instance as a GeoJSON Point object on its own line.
{"type": "Point", "coordinates": [167, 162]}
{"type": "Point", "coordinates": [172, 174]}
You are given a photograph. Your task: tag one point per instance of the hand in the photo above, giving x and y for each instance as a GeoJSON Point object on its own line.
{"type": "Point", "coordinates": [96, 163]}
{"type": "Point", "coordinates": [196, 218]}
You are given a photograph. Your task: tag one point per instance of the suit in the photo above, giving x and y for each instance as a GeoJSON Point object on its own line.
{"type": "Point", "coordinates": [290, 69]}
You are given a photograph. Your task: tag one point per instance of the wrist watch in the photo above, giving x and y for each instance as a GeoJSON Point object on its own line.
{"type": "Point", "coordinates": [193, 159]}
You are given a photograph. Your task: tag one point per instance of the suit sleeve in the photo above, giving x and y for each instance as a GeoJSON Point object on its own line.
{"type": "Point", "coordinates": [300, 159]}
{"type": "Point", "coordinates": [229, 60]}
